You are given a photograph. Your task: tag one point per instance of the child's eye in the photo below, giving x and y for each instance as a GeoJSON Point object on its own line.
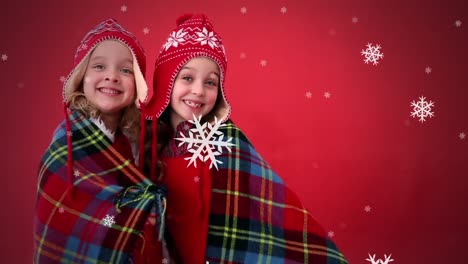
{"type": "Point", "coordinates": [187, 78]}
{"type": "Point", "coordinates": [98, 67]}
{"type": "Point", "coordinates": [126, 71]}
{"type": "Point", "coordinates": [211, 83]}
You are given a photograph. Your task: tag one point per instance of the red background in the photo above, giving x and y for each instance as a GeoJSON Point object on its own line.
{"type": "Point", "coordinates": [358, 148]}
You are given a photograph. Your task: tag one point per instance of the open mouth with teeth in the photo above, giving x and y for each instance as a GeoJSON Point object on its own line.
{"type": "Point", "coordinates": [192, 104]}
{"type": "Point", "coordinates": [109, 91]}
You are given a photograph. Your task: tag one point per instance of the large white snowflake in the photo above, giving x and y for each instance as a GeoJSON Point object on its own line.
{"type": "Point", "coordinates": [422, 109]}
{"type": "Point", "coordinates": [205, 142]}
{"type": "Point", "coordinates": [175, 38]}
{"type": "Point", "coordinates": [108, 220]}
{"type": "Point", "coordinates": [372, 54]}
{"type": "Point", "coordinates": [205, 37]}
{"type": "Point", "coordinates": [377, 261]}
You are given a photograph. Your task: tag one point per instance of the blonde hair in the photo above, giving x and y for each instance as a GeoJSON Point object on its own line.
{"type": "Point", "coordinates": [129, 121]}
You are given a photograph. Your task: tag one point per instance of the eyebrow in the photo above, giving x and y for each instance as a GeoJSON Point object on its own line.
{"type": "Point", "coordinates": [189, 68]}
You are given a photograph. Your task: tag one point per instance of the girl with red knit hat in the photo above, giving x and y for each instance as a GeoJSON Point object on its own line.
{"type": "Point", "coordinates": [93, 204]}
{"type": "Point", "coordinates": [225, 204]}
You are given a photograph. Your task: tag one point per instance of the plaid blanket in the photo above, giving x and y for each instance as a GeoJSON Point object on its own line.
{"type": "Point", "coordinates": [255, 218]}
{"type": "Point", "coordinates": [101, 215]}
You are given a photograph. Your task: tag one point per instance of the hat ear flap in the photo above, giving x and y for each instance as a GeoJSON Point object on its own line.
{"type": "Point", "coordinates": [76, 77]}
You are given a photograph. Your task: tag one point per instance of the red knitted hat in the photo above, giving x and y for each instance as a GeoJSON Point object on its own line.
{"type": "Point", "coordinates": [108, 30]}
{"type": "Point", "coordinates": [193, 37]}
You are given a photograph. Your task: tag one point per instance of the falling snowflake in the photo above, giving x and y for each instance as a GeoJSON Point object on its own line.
{"type": "Point", "coordinates": [76, 173]}
{"type": "Point", "coordinates": [327, 95]}
{"type": "Point", "coordinates": [69, 133]}
{"type": "Point", "coordinates": [422, 109]}
{"type": "Point", "coordinates": [331, 234]}
{"type": "Point", "coordinates": [175, 38]}
{"type": "Point", "coordinates": [205, 142]}
{"type": "Point", "coordinates": [372, 54]}
{"type": "Point", "coordinates": [354, 20]}
{"type": "Point", "coordinates": [367, 208]}
{"type": "Point", "coordinates": [428, 70]}
{"type": "Point", "coordinates": [462, 135]}
{"type": "Point", "coordinates": [4, 57]}
{"type": "Point", "coordinates": [243, 10]}
{"type": "Point", "coordinates": [263, 63]}
{"type": "Point", "coordinates": [308, 94]}
{"type": "Point", "coordinates": [374, 261]}
{"type": "Point", "coordinates": [123, 8]}
{"type": "Point", "coordinates": [458, 23]}
{"type": "Point", "coordinates": [146, 31]}
{"type": "Point", "coordinates": [62, 78]}
{"type": "Point", "coordinates": [284, 10]}
{"type": "Point", "coordinates": [165, 261]}
{"type": "Point", "coordinates": [243, 55]}
{"type": "Point", "coordinates": [61, 210]}
{"type": "Point", "coordinates": [108, 220]}
{"type": "Point", "coordinates": [196, 179]}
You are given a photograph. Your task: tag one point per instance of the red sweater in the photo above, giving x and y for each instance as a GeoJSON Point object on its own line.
{"type": "Point", "coordinates": [188, 203]}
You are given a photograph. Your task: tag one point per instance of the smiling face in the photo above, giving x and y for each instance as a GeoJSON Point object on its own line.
{"type": "Point", "coordinates": [109, 83]}
{"type": "Point", "coordinates": [195, 90]}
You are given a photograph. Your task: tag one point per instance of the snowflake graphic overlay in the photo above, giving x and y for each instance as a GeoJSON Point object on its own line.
{"type": "Point", "coordinates": [372, 54]}
{"type": "Point", "coordinates": [205, 142]}
{"type": "Point", "coordinates": [374, 261]}
{"type": "Point", "coordinates": [422, 109]}
{"type": "Point", "coordinates": [108, 220]}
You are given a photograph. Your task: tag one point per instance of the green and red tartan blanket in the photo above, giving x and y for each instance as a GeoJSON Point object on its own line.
{"type": "Point", "coordinates": [255, 218]}
{"type": "Point", "coordinates": [99, 216]}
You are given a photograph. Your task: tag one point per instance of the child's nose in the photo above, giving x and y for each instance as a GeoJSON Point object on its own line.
{"type": "Point", "coordinates": [198, 89]}
{"type": "Point", "coordinates": [113, 76]}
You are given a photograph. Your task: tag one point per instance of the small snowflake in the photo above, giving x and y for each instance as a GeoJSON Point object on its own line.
{"type": "Point", "coordinates": [108, 220]}
{"type": "Point", "coordinates": [354, 20]}
{"type": "Point", "coordinates": [327, 95]}
{"type": "Point", "coordinates": [69, 133]}
{"type": "Point", "coordinates": [76, 173]}
{"type": "Point", "coordinates": [367, 208]}
{"type": "Point", "coordinates": [123, 8]}
{"type": "Point", "coordinates": [284, 10]}
{"type": "Point", "coordinates": [458, 23]}
{"type": "Point", "coordinates": [196, 179]}
{"type": "Point", "coordinates": [4, 57]}
{"type": "Point", "coordinates": [165, 261]}
{"type": "Point", "coordinates": [372, 54]}
{"type": "Point", "coordinates": [243, 10]}
{"type": "Point", "coordinates": [146, 31]}
{"type": "Point", "coordinates": [61, 210]}
{"type": "Point", "coordinates": [462, 135]}
{"type": "Point", "coordinates": [263, 63]}
{"type": "Point", "coordinates": [62, 78]}
{"type": "Point", "coordinates": [308, 94]}
{"type": "Point", "coordinates": [331, 234]}
{"type": "Point", "coordinates": [422, 109]}
{"type": "Point", "coordinates": [428, 70]}
{"type": "Point", "coordinates": [243, 55]}
{"type": "Point", "coordinates": [205, 142]}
